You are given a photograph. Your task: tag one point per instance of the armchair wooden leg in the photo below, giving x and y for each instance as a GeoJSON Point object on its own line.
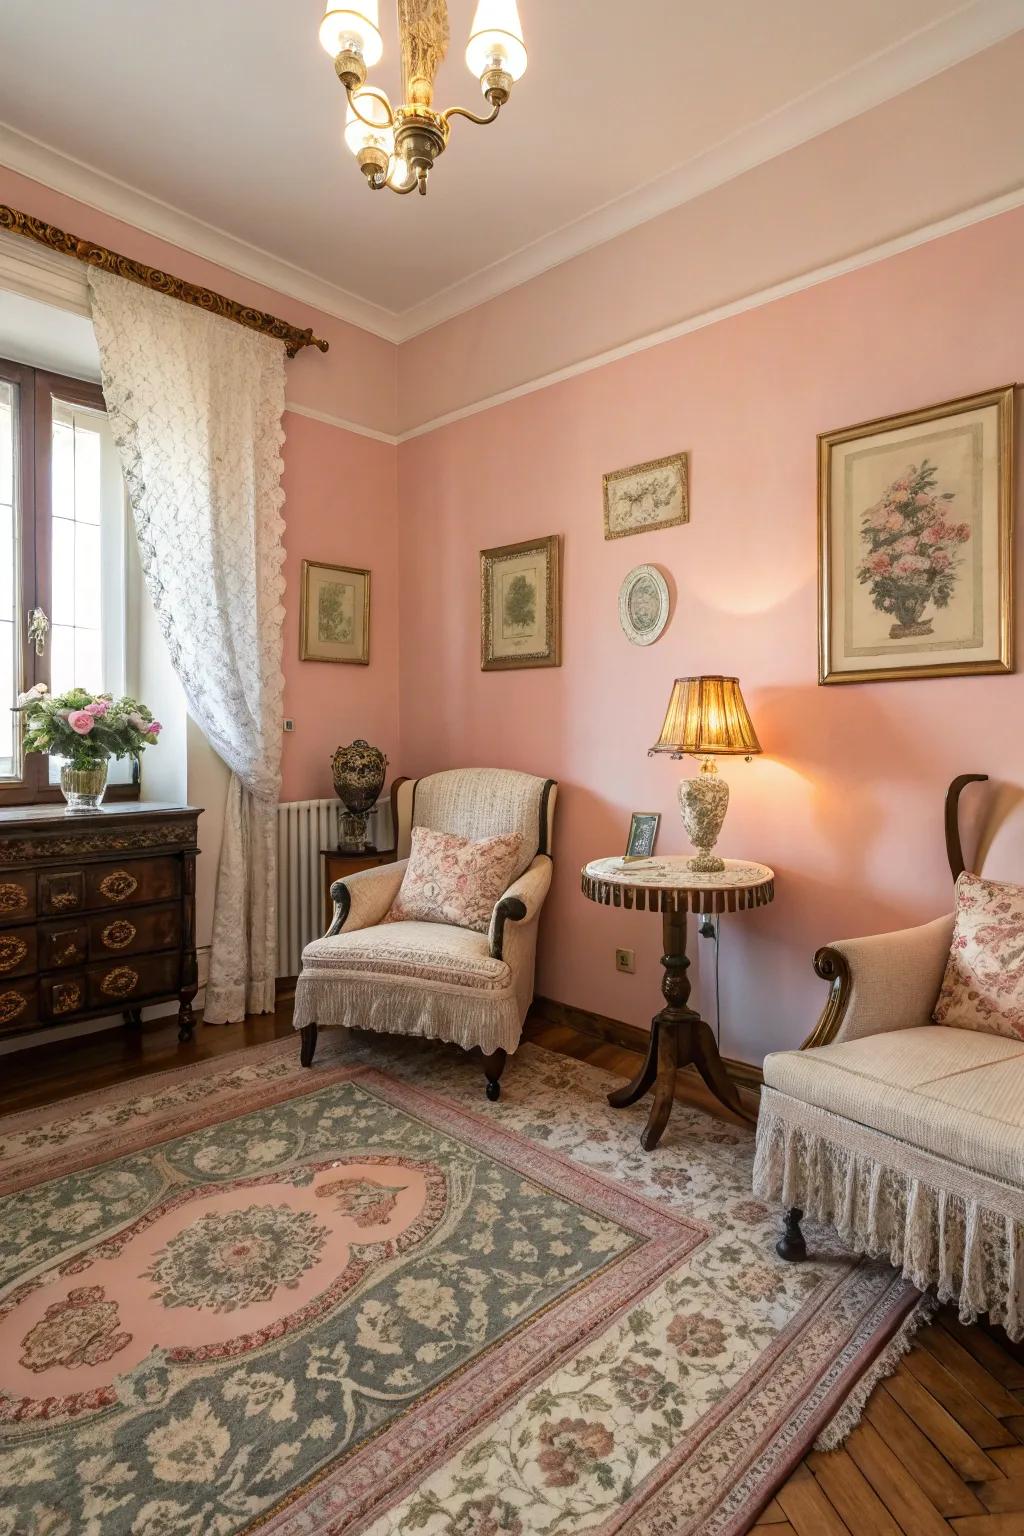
{"type": "Point", "coordinates": [308, 1048]}
{"type": "Point", "coordinates": [791, 1246]}
{"type": "Point", "coordinates": [494, 1066]}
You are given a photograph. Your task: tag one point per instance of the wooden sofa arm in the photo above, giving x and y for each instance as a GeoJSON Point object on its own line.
{"type": "Point", "coordinates": [886, 982]}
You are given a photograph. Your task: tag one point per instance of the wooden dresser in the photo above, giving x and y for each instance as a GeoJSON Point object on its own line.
{"type": "Point", "coordinates": [97, 913]}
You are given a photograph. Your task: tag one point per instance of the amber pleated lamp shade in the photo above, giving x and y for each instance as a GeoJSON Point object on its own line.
{"type": "Point", "coordinates": [707, 716]}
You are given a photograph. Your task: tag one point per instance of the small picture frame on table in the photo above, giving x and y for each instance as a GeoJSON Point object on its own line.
{"type": "Point", "coordinates": [643, 834]}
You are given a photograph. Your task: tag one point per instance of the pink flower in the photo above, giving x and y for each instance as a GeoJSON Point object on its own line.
{"type": "Point", "coordinates": [961, 532]}
{"type": "Point", "coordinates": [892, 521]}
{"type": "Point", "coordinates": [879, 563]}
{"type": "Point", "coordinates": [941, 560]}
{"type": "Point", "coordinates": [97, 708]}
{"type": "Point", "coordinates": [154, 728]}
{"type": "Point", "coordinates": [81, 721]}
{"type": "Point", "coordinates": [907, 546]}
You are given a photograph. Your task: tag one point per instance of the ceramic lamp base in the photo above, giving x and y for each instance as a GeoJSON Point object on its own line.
{"type": "Point", "coordinates": [703, 802]}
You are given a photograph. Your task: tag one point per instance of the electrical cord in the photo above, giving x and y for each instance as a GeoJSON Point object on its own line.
{"type": "Point", "coordinates": [711, 929]}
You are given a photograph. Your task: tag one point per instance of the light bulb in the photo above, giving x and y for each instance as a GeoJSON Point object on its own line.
{"type": "Point", "coordinates": [399, 176]}
{"type": "Point", "coordinates": [496, 39]}
{"type": "Point", "coordinates": [354, 28]}
{"type": "Point", "coordinates": [379, 133]}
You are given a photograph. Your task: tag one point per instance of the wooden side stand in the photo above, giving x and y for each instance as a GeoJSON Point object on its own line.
{"type": "Point", "coordinates": [679, 1038]}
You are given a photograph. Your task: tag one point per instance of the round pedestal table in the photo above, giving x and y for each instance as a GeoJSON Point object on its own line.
{"type": "Point", "coordinates": [679, 1036]}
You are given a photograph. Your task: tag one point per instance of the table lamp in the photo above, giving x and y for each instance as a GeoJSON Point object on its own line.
{"type": "Point", "coordinates": [706, 716]}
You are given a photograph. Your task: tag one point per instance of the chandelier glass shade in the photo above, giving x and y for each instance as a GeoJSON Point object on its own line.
{"type": "Point", "coordinates": [396, 146]}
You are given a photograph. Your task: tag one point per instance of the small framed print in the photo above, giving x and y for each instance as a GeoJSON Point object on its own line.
{"type": "Point", "coordinates": [915, 518]}
{"type": "Point", "coordinates": [643, 834]}
{"type": "Point", "coordinates": [520, 606]}
{"type": "Point", "coordinates": [334, 615]}
{"type": "Point", "coordinates": [654, 495]}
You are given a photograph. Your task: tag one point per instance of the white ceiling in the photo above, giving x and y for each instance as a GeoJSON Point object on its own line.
{"type": "Point", "coordinates": [228, 112]}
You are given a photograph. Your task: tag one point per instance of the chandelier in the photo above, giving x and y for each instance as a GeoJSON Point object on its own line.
{"type": "Point", "coordinates": [397, 146]}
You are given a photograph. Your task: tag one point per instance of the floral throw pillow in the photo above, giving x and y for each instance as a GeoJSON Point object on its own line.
{"type": "Point", "coordinates": [983, 987]}
{"type": "Point", "coordinates": [455, 880]}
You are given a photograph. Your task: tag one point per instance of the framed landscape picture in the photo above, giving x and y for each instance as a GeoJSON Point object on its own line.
{"type": "Point", "coordinates": [915, 517]}
{"type": "Point", "coordinates": [334, 616]}
{"type": "Point", "coordinates": [520, 606]}
{"type": "Point", "coordinates": [654, 495]}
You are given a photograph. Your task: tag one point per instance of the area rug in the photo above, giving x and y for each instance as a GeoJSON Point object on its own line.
{"type": "Point", "coordinates": [245, 1297]}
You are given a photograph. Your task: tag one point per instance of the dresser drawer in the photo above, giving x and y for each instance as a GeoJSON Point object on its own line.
{"type": "Point", "coordinates": [60, 996]}
{"type": "Point", "coordinates": [132, 883]}
{"type": "Point", "coordinates": [18, 897]}
{"type": "Point", "coordinates": [61, 890]}
{"type": "Point", "coordinates": [17, 952]}
{"type": "Point", "coordinates": [63, 944]}
{"type": "Point", "coordinates": [130, 933]}
{"type": "Point", "coordinates": [122, 981]}
{"type": "Point", "coordinates": [17, 1004]}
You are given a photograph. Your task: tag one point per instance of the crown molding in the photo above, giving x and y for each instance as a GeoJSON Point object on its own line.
{"type": "Point", "coordinates": [878, 79]}
{"type": "Point", "coordinates": [339, 421]}
{"type": "Point", "coordinates": [118, 200]}
{"type": "Point", "coordinates": [755, 300]}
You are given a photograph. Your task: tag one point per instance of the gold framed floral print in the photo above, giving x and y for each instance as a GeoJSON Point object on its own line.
{"type": "Point", "coordinates": [520, 605]}
{"type": "Point", "coordinates": [646, 496]}
{"type": "Point", "coordinates": [915, 533]}
{"type": "Point", "coordinates": [334, 614]}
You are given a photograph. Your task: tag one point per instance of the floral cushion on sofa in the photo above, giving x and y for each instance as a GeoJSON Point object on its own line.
{"type": "Point", "coordinates": [983, 987]}
{"type": "Point", "coordinates": [455, 880]}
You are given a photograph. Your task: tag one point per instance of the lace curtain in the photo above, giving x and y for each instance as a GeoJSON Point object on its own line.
{"type": "Point", "coordinates": [195, 404]}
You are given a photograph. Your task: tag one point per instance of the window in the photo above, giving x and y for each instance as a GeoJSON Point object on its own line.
{"type": "Point", "coordinates": [62, 561]}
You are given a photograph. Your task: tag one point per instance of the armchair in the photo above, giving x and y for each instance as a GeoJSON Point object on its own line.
{"type": "Point", "coordinates": [433, 979]}
{"type": "Point", "coordinates": [905, 1136]}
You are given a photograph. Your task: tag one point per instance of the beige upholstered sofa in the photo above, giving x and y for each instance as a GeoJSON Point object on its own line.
{"type": "Point", "coordinates": [904, 1135]}
{"type": "Point", "coordinates": [417, 978]}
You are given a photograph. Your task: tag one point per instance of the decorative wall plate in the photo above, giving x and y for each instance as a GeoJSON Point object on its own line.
{"type": "Point", "coordinates": [644, 604]}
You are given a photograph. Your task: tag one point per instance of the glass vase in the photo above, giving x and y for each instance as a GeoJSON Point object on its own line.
{"type": "Point", "coordinates": [83, 788]}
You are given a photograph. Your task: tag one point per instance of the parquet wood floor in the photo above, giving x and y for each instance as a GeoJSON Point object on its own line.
{"type": "Point", "coordinates": [940, 1451]}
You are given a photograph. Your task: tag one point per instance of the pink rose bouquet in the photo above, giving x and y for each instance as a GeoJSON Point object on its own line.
{"type": "Point", "coordinates": [85, 728]}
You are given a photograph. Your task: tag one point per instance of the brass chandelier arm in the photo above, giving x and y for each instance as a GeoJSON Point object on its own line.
{"type": "Point", "coordinates": [473, 116]}
{"type": "Point", "coordinates": [352, 92]}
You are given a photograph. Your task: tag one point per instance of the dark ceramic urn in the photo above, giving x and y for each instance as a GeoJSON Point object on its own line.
{"type": "Point", "coordinates": [358, 771]}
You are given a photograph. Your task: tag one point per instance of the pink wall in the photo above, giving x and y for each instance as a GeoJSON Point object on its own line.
{"type": "Point", "coordinates": [340, 507]}
{"type": "Point", "coordinates": [846, 802]}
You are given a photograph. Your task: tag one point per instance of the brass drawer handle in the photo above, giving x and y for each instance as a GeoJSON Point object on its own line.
{"type": "Point", "coordinates": [13, 898]}
{"type": "Point", "coordinates": [119, 885]}
{"type": "Point", "coordinates": [120, 982]}
{"type": "Point", "coordinates": [119, 934]}
{"type": "Point", "coordinates": [12, 952]}
{"type": "Point", "coordinates": [11, 1005]}
{"type": "Point", "coordinates": [67, 997]}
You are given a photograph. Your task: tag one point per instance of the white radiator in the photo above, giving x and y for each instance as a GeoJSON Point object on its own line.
{"type": "Point", "coordinates": [303, 828]}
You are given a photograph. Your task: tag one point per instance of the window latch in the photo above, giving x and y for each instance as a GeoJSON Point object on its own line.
{"type": "Point", "coordinates": [38, 625]}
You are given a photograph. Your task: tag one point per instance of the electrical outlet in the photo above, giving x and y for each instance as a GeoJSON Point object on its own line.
{"type": "Point", "coordinates": [289, 725]}
{"type": "Point", "coordinates": [625, 960]}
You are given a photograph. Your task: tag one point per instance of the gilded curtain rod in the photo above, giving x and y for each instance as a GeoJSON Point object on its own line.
{"type": "Point", "coordinates": [162, 282]}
